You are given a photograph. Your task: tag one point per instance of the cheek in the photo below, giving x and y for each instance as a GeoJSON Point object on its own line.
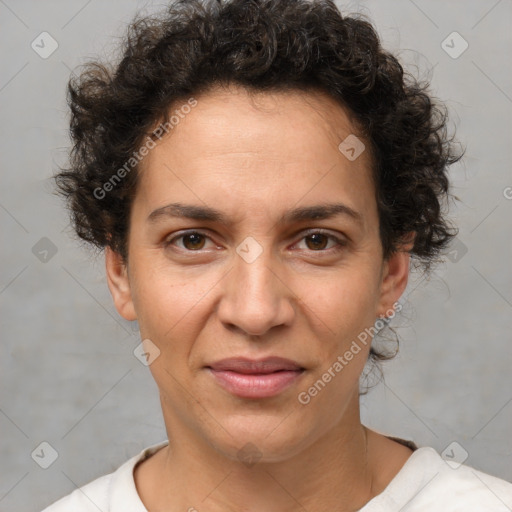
{"type": "Point", "coordinates": [170, 304]}
{"type": "Point", "coordinates": [347, 312]}
{"type": "Point", "coordinates": [345, 303]}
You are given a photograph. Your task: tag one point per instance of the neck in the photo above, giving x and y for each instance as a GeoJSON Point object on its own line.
{"type": "Point", "coordinates": [336, 472]}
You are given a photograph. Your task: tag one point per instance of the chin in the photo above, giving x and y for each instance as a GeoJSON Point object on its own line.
{"type": "Point", "coordinates": [263, 440]}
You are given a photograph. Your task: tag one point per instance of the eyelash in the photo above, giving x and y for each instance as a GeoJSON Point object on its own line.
{"type": "Point", "coordinates": [341, 243]}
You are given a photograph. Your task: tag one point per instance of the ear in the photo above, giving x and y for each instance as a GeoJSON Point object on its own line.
{"type": "Point", "coordinates": [119, 284]}
{"type": "Point", "coordinates": [395, 274]}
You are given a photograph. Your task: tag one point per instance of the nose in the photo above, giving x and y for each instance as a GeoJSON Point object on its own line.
{"type": "Point", "coordinates": [256, 297]}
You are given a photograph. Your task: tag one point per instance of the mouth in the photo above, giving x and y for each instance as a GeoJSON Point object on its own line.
{"type": "Point", "coordinates": [248, 378]}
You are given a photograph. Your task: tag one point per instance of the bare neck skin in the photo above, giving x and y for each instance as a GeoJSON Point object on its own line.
{"type": "Point", "coordinates": [342, 471]}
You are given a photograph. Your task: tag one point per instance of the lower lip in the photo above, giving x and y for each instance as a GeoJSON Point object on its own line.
{"type": "Point", "coordinates": [255, 386]}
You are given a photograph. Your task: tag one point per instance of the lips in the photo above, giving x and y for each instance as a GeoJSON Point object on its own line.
{"type": "Point", "coordinates": [248, 378]}
{"type": "Point", "coordinates": [251, 366]}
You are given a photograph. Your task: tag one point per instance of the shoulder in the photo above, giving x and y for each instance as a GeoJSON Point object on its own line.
{"type": "Point", "coordinates": [459, 484]}
{"type": "Point", "coordinates": [428, 482]}
{"type": "Point", "coordinates": [90, 497]}
{"type": "Point", "coordinates": [115, 492]}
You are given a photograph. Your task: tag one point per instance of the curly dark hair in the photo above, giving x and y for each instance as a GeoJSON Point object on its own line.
{"type": "Point", "coordinates": [262, 45]}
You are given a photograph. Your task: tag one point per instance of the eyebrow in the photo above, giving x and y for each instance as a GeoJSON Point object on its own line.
{"type": "Point", "coordinates": [206, 213]}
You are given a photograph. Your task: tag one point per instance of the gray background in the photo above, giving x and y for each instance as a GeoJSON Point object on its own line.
{"type": "Point", "coordinates": [69, 376]}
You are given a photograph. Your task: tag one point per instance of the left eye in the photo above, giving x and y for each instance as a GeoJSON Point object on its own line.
{"type": "Point", "coordinates": [318, 241]}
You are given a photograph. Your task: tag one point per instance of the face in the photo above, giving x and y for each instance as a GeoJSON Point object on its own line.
{"type": "Point", "coordinates": [254, 263]}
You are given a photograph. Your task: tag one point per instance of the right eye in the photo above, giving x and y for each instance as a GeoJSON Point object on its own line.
{"type": "Point", "coordinates": [191, 241]}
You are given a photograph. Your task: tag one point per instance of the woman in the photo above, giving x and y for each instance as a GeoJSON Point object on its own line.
{"type": "Point", "coordinates": [260, 174]}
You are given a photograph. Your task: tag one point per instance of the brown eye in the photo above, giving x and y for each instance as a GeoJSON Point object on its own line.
{"type": "Point", "coordinates": [193, 241]}
{"type": "Point", "coordinates": [322, 243]}
{"type": "Point", "coordinates": [317, 241]}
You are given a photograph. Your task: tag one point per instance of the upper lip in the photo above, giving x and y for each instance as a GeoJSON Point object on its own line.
{"type": "Point", "coordinates": [255, 366]}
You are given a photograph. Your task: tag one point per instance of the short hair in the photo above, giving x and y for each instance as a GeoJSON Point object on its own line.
{"type": "Point", "coordinates": [264, 46]}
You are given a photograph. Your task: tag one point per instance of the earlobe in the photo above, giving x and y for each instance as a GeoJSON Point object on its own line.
{"type": "Point", "coordinates": [394, 280]}
{"type": "Point", "coordinates": [119, 284]}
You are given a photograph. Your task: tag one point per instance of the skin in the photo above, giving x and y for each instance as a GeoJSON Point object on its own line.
{"type": "Point", "coordinates": [254, 158]}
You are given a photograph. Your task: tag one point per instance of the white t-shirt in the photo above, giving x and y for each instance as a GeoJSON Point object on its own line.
{"type": "Point", "coordinates": [426, 483]}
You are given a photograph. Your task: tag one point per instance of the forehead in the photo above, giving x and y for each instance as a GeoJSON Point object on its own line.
{"type": "Point", "coordinates": [264, 150]}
